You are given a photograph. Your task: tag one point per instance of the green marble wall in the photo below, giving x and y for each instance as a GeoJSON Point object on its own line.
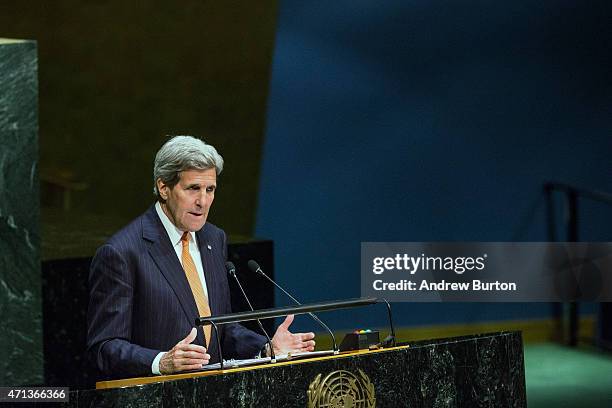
{"type": "Point", "coordinates": [20, 285]}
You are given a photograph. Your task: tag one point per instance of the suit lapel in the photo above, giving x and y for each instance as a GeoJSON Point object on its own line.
{"type": "Point", "coordinates": [207, 249]}
{"type": "Point", "coordinates": [164, 256]}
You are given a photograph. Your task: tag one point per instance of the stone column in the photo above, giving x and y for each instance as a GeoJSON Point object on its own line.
{"type": "Point", "coordinates": [20, 279]}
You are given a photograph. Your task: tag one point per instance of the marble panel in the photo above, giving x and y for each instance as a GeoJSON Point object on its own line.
{"type": "Point", "coordinates": [20, 286]}
{"type": "Point", "coordinates": [474, 371]}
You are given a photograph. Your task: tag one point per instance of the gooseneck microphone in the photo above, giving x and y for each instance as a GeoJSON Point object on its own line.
{"type": "Point", "coordinates": [231, 269]}
{"type": "Point", "coordinates": [254, 266]}
{"type": "Point", "coordinates": [390, 339]}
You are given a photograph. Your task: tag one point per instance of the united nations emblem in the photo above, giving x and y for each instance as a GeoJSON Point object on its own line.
{"type": "Point", "coordinates": [341, 389]}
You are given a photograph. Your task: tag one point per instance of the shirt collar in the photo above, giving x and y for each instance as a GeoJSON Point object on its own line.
{"type": "Point", "coordinates": [174, 233]}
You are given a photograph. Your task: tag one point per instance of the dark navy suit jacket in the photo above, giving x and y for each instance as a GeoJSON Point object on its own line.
{"type": "Point", "coordinates": [141, 303]}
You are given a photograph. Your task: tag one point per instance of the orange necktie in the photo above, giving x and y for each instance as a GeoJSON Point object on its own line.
{"type": "Point", "coordinates": [196, 285]}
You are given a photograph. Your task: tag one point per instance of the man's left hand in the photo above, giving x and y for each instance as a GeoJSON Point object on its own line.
{"type": "Point", "coordinates": [285, 342]}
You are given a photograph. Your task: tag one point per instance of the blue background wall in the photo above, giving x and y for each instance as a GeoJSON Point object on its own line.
{"type": "Point", "coordinates": [429, 121]}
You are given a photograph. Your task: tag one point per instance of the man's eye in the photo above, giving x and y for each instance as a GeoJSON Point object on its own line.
{"type": "Point", "coordinates": [210, 189]}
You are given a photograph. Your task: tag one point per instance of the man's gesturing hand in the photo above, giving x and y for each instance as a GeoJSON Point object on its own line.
{"type": "Point", "coordinates": [184, 356]}
{"type": "Point", "coordinates": [286, 342]}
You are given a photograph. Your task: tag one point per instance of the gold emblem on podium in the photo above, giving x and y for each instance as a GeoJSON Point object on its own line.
{"type": "Point", "coordinates": [341, 389]}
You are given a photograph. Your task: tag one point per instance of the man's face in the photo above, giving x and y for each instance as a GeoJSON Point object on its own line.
{"type": "Point", "coordinates": [188, 202]}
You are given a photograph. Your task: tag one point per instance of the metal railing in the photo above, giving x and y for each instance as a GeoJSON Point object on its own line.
{"type": "Point", "coordinates": [572, 196]}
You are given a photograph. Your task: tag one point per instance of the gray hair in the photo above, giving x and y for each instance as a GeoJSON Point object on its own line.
{"type": "Point", "coordinates": [182, 153]}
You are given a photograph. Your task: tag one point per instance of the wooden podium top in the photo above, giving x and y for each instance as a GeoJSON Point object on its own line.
{"type": "Point", "coordinates": [128, 382]}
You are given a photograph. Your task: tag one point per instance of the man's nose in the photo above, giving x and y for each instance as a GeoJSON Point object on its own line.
{"type": "Point", "coordinates": [201, 198]}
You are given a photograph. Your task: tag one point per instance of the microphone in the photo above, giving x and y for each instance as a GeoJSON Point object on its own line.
{"type": "Point", "coordinates": [254, 266]}
{"type": "Point", "coordinates": [231, 269]}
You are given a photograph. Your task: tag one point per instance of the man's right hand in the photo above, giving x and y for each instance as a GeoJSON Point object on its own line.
{"type": "Point", "coordinates": [184, 356]}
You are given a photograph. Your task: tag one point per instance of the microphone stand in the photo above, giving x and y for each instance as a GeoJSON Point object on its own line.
{"type": "Point", "coordinates": [391, 337]}
{"type": "Point", "coordinates": [218, 344]}
{"type": "Point", "coordinates": [232, 271]}
{"type": "Point", "coordinates": [258, 270]}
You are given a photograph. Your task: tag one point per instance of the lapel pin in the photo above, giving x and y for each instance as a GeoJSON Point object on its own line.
{"type": "Point", "coordinates": [209, 247]}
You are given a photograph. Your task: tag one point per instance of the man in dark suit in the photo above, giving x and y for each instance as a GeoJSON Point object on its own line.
{"type": "Point", "coordinates": [151, 280]}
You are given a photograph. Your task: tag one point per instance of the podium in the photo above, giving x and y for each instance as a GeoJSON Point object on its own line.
{"type": "Point", "coordinates": [471, 371]}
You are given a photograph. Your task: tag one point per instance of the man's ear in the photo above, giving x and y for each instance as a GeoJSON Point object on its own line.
{"type": "Point", "coordinates": [162, 188]}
